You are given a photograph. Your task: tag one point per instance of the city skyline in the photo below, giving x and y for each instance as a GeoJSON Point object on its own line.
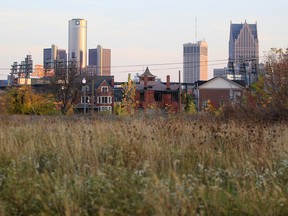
{"type": "Point", "coordinates": [140, 34]}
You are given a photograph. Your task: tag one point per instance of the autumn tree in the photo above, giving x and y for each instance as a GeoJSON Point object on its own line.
{"type": "Point", "coordinates": [272, 85]}
{"type": "Point", "coordinates": [190, 106]}
{"type": "Point", "coordinates": [24, 100]}
{"type": "Point", "coordinates": [129, 103]}
{"type": "Point", "coordinates": [65, 85]}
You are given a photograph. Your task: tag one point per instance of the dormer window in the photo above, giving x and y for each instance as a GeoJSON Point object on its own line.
{"type": "Point", "coordinates": [104, 89]}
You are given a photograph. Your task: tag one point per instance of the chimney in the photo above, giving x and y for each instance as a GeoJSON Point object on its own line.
{"type": "Point", "coordinates": [168, 82]}
{"type": "Point", "coordinates": [112, 82]}
{"type": "Point", "coordinates": [145, 81]}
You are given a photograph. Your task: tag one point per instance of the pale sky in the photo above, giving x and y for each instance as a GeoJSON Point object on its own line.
{"type": "Point", "coordinates": [139, 33]}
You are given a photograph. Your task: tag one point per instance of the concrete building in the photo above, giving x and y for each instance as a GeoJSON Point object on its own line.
{"type": "Point", "coordinates": [77, 42]}
{"type": "Point", "coordinates": [100, 61]}
{"type": "Point", "coordinates": [195, 62]}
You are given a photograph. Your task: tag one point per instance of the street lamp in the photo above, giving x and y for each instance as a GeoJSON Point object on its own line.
{"type": "Point", "coordinates": [84, 90]}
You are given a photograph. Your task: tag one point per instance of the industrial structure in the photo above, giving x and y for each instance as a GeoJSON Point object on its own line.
{"type": "Point", "coordinates": [20, 72]}
{"type": "Point", "coordinates": [195, 61]}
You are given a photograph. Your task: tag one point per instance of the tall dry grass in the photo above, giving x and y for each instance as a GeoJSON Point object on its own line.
{"type": "Point", "coordinates": [142, 166]}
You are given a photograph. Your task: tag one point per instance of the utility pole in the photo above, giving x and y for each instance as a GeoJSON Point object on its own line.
{"type": "Point", "coordinates": [231, 67]}
{"type": "Point", "coordinates": [243, 71]}
{"type": "Point", "coordinates": [180, 108]}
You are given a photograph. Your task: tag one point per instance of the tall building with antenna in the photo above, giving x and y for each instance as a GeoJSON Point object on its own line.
{"type": "Point", "coordinates": [77, 42]}
{"type": "Point", "coordinates": [195, 62]}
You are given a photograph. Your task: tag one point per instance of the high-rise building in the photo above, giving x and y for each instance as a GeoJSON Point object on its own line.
{"type": "Point", "coordinates": [243, 43]}
{"type": "Point", "coordinates": [47, 57]}
{"type": "Point", "coordinates": [100, 59]}
{"type": "Point", "coordinates": [53, 54]}
{"type": "Point", "coordinates": [92, 57]}
{"type": "Point", "coordinates": [77, 45]}
{"type": "Point", "coordinates": [195, 62]}
{"type": "Point", "coordinates": [62, 55]}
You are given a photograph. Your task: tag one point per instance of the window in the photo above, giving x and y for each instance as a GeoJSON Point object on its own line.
{"type": "Point", "coordinates": [174, 96]}
{"type": "Point", "coordinates": [204, 104]}
{"type": "Point", "coordinates": [85, 101]}
{"type": "Point", "coordinates": [221, 103]}
{"type": "Point", "coordinates": [104, 89]}
{"type": "Point", "coordinates": [142, 96]}
{"type": "Point", "coordinates": [104, 100]}
{"type": "Point", "coordinates": [235, 95]}
{"type": "Point", "coordinates": [105, 109]}
{"type": "Point", "coordinates": [158, 96]}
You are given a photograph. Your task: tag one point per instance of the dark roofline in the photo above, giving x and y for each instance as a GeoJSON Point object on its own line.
{"type": "Point", "coordinates": [146, 73]}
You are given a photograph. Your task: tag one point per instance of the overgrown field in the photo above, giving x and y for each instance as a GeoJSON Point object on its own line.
{"type": "Point", "coordinates": [142, 166]}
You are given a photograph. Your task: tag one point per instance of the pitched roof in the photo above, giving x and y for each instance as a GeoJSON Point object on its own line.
{"type": "Point", "coordinates": [220, 85]}
{"type": "Point", "coordinates": [147, 73]}
{"type": "Point", "coordinates": [236, 28]}
{"type": "Point", "coordinates": [99, 79]}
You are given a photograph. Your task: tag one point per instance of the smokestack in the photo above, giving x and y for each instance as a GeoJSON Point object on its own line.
{"type": "Point", "coordinates": [145, 81]}
{"type": "Point", "coordinates": [168, 82]}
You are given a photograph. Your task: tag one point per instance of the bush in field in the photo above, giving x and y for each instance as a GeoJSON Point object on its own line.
{"type": "Point", "coordinates": [23, 100]}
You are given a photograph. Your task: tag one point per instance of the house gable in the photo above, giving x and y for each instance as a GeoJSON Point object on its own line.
{"type": "Point", "coordinates": [220, 83]}
{"type": "Point", "coordinates": [104, 83]}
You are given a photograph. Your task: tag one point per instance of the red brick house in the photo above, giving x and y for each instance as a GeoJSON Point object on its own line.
{"type": "Point", "coordinates": [219, 91]}
{"type": "Point", "coordinates": [154, 94]}
{"type": "Point", "coordinates": [104, 97]}
{"type": "Point", "coordinates": [99, 95]}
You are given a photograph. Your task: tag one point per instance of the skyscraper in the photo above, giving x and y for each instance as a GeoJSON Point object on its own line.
{"type": "Point", "coordinates": [50, 55]}
{"type": "Point", "coordinates": [243, 43]}
{"type": "Point", "coordinates": [77, 45]}
{"type": "Point", "coordinates": [100, 59]}
{"type": "Point", "coordinates": [195, 62]}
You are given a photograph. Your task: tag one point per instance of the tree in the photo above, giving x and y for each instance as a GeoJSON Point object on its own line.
{"type": "Point", "coordinates": [272, 85]}
{"type": "Point", "coordinates": [129, 103]}
{"type": "Point", "coordinates": [24, 101]}
{"type": "Point", "coordinates": [65, 85]}
{"type": "Point", "coordinates": [189, 107]}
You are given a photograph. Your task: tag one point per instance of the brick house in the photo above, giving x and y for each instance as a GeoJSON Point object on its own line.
{"type": "Point", "coordinates": [99, 95]}
{"type": "Point", "coordinates": [154, 94]}
{"type": "Point", "coordinates": [218, 91]}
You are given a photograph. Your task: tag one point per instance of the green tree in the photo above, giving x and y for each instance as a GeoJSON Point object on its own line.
{"type": "Point", "coordinates": [129, 103]}
{"type": "Point", "coordinates": [24, 100]}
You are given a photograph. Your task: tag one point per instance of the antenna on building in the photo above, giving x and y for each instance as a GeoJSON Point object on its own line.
{"type": "Point", "coordinates": [196, 29]}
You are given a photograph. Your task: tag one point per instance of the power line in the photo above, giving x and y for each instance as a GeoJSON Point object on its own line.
{"type": "Point", "coordinates": [195, 63]}
{"type": "Point", "coordinates": [169, 63]}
